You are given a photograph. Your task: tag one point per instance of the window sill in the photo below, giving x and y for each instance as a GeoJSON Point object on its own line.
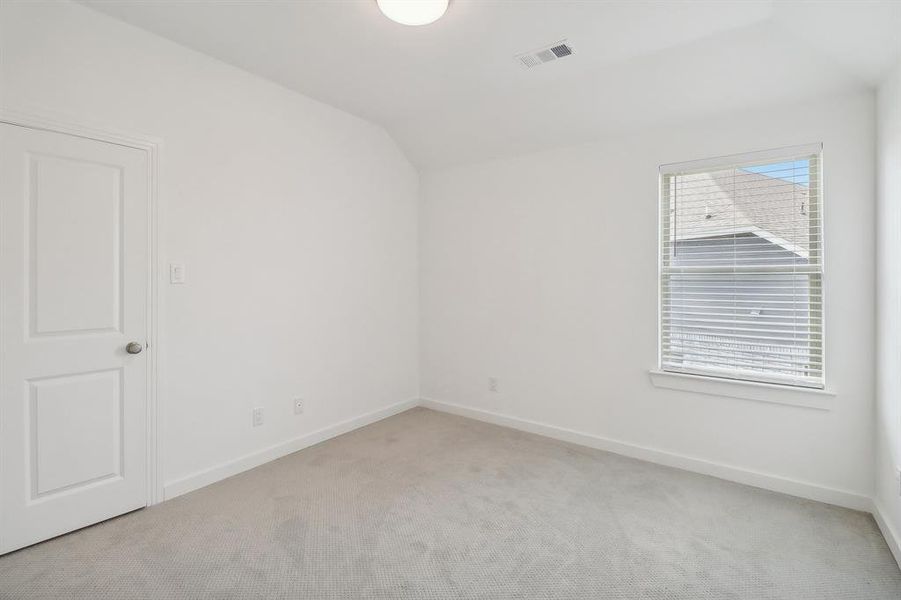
{"type": "Point", "coordinates": [746, 390]}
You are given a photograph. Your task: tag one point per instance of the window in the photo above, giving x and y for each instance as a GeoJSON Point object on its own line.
{"type": "Point", "coordinates": [741, 267]}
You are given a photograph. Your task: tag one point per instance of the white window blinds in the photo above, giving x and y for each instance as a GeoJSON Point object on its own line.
{"type": "Point", "coordinates": [741, 267]}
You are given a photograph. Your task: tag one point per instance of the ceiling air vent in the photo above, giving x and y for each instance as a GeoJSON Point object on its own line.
{"type": "Point", "coordinates": [543, 55]}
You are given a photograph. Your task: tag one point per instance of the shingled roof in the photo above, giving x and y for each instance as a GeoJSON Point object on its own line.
{"type": "Point", "coordinates": [736, 201]}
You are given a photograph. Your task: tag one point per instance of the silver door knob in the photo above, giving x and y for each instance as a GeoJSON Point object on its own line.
{"type": "Point", "coordinates": [134, 348]}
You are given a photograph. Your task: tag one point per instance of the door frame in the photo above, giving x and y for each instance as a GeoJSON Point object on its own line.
{"type": "Point", "coordinates": [152, 146]}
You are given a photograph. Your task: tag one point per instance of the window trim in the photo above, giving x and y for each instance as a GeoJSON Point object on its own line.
{"type": "Point", "coordinates": [773, 393]}
{"type": "Point", "coordinates": [729, 160]}
{"type": "Point", "coordinates": [660, 374]}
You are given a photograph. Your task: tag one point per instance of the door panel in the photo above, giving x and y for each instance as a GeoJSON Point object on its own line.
{"type": "Point", "coordinates": [74, 261]}
{"type": "Point", "coordinates": [75, 222]}
{"type": "Point", "coordinates": [75, 411]}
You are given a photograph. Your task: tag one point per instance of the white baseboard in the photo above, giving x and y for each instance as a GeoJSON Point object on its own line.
{"type": "Point", "coordinates": [774, 483]}
{"type": "Point", "coordinates": [217, 473]}
{"type": "Point", "coordinates": [892, 537]}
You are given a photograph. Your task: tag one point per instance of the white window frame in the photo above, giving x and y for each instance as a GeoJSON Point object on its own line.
{"type": "Point", "coordinates": [740, 385]}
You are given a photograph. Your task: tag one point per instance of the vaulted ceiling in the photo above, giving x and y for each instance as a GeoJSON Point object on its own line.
{"type": "Point", "coordinates": [452, 92]}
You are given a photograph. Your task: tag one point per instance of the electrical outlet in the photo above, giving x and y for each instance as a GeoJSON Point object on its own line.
{"type": "Point", "coordinates": [298, 406]}
{"type": "Point", "coordinates": [492, 384]}
{"type": "Point", "coordinates": [257, 417]}
{"type": "Point", "coordinates": [177, 273]}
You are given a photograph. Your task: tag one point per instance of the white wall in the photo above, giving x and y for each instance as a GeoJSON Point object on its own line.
{"type": "Point", "coordinates": [297, 223]}
{"type": "Point", "coordinates": [888, 406]}
{"type": "Point", "coordinates": [542, 271]}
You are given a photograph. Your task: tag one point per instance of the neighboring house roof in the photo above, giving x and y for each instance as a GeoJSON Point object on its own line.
{"type": "Point", "coordinates": [736, 201]}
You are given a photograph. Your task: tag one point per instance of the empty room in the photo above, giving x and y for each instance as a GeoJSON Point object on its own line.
{"type": "Point", "coordinates": [450, 299]}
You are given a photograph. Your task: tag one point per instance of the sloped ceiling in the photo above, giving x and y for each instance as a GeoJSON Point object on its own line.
{"type": "Point", "coordinates": [452, 92]}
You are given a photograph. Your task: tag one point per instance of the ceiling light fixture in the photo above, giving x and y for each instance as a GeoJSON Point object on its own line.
{"type": "Point", "coordinates": [413, 12]}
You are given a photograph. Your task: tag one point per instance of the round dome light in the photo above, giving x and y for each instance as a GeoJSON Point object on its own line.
{"type": "Point", "coordinates": [413, 12]}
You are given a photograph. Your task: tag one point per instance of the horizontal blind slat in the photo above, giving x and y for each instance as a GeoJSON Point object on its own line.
{"type": "Point", "coordinates": [768, 311]}
{"type": "Point", "coordinates": [800, 372]}
{"type": "Point", "coordinates": [795, 353]}
{"type": "Point", "coordinates": [737, 374]}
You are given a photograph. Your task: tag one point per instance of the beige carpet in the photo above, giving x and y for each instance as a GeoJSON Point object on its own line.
{"type": "Point", "coordinates": [426, 505]}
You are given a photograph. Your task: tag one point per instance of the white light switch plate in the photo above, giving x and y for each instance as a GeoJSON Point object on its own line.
{"type": "Point", "coordinates": [177, 273]}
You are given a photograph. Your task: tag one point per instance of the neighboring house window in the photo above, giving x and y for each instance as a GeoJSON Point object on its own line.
{"type": "Point", "coordinates": [741, 267]}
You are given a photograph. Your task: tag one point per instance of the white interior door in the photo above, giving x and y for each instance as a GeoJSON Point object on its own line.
{"type": "Point", "coordinates": [74, 265]}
